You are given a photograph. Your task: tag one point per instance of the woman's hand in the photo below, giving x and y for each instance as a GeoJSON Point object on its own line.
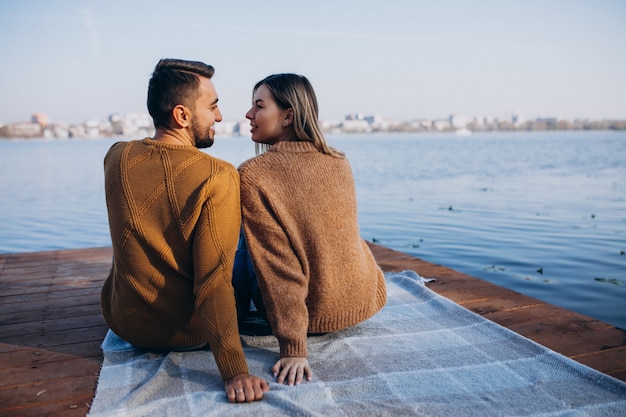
{"type": "Point", "coordinates": [292, 370]}
{"type": "Point", "coordinates": [245, 388]}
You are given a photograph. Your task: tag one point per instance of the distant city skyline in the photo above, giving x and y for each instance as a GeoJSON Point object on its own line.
{"type": "Point", "coordinates": [43, 118]}
{"type": "Point", "coordinates": [79, 60]}
{"type": "Point", "coordinates": [138, 124]}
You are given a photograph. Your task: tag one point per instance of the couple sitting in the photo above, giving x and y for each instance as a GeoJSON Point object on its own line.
{"type": "Point", "coordinates": [182, 272]}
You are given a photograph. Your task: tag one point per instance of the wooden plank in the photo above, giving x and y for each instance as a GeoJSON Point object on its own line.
{"type": "Point", "coordinates": [73, 407]}
{"type": "Point", "coordinates": [28, 357]}
{"type": "Point", "coordinates": [47, 340]}
{"type": "Point", "coordinates": [611, 361]}
{"type": "Point", "coordinates": [62, 324]}
{"type": "Point", "coordinates": [572, 325]}
{"type": "Point", "coordinates": [59, 366]}
{"type": "Point", "coordinates": [25, 278]}
{"type": "Point", "coordinates": [44, 314]}
{"type": "Point", "coordinates": [513, 309]}
{"type": "Point", "coordinates": [35, 293]}
{"type": "Point", "coordinates": [86, 349]}
{"type": "Point", "coordinates": [50, 303]}
{"type": "Point", "coordinates": [35, 397]}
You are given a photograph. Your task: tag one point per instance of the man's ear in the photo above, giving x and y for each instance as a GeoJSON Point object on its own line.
{"type": "Point", "coordinates": [181, 116]}
{"type": "Point", "coordinates": [288, 120]}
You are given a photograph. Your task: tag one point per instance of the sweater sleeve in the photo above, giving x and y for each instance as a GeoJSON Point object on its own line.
{"type": "Point", "coordinates": [280, 273]}
{"type": "Point", "coordinates": [215, 243]}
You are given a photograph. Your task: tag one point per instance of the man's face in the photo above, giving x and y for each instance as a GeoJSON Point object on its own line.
{"type": "Point", "coordinates": [205, 114]}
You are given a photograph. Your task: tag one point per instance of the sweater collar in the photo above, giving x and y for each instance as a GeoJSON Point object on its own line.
{"type": "Point", "coordinates": [294, 146]}
{"type": "Point", "coordinates": [151, 142]}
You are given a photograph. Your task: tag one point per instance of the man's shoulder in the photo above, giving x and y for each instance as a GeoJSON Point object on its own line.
{"type": "Point", "coordinates": [119, 147]}
{"type": "Point", "coordinates": [220, 164]}
{"type": "Point", "coordinates": [116, 148]}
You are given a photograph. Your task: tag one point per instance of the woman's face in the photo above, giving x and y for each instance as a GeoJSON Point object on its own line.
{"type": "Point", "coordinates": [269, 123]}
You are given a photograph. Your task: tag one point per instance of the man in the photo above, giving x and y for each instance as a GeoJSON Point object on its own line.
{"type": "Point", "coordinates": [174, 216]}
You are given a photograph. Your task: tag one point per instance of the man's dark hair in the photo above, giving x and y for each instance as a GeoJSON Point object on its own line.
{"type": "Point", "coordinates": [174, 82]}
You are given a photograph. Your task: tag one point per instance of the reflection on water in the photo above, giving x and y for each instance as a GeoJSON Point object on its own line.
{"type": "Point", "coordinates": [540, 213]}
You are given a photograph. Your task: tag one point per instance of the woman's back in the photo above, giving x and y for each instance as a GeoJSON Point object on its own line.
{"type": "Point", "coordinates": [315, 272]}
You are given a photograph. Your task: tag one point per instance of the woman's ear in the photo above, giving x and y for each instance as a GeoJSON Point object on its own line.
{"type": "Point", "coordinates": [181, 115]}
{"type": "Point", "coordinates": [288, 120]}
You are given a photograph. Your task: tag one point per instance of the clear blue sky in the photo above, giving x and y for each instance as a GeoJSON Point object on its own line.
{"type": "Point", "coordinates": [75, 60]}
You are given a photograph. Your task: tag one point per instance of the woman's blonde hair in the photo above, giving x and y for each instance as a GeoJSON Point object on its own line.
{"type": "Point", "coordinates": [293, 91]}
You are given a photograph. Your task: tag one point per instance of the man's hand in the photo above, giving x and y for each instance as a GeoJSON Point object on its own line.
{"type": "Point", "coordinates": [245, 388]}
{"type": "Point", "coordinates": [292, 370]}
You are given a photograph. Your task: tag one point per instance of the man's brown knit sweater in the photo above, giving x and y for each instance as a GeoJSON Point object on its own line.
{"type": "Point", "coordinates": [174, 216]}
{"type": "Point", "coordinates": [315, 273]}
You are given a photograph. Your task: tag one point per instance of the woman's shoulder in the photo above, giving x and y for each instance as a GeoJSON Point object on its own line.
{"type": "Point", "coordinates": [247, 164]}
{"type": "Point", "coordinates": [258, 161]}
{"type": "Point", "coordinates": [258, 169]}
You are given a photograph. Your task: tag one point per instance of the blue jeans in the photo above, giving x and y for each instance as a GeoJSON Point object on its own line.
{"type": "Point", "coordinates": [245, 282]}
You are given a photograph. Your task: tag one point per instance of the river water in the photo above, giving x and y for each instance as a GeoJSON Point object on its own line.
{"type": "Point", "coordinates": [541, 213]}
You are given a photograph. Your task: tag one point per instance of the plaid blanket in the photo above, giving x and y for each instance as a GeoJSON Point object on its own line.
{"type": "Point", "coordinates": [421, 355]}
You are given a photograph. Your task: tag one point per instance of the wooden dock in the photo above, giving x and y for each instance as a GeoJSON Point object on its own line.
{"type": "Point", "coordinates": [51, 327]}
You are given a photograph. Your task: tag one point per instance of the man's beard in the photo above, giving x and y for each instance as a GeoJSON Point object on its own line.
{"type": "Point", "coordinates": [203, 139]}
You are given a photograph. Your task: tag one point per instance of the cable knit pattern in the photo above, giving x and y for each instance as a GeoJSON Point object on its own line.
{"type": "Point", "coordinates": [174, 215]}
{"type": "Point", "coordinates": [316, 274]}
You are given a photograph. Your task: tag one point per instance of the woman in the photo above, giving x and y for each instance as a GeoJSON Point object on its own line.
{"type": "Point", "coordinates": [315, 273]}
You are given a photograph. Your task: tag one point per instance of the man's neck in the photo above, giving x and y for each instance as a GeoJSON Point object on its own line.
{"type": "Point", "coordinates": [173, 137]}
